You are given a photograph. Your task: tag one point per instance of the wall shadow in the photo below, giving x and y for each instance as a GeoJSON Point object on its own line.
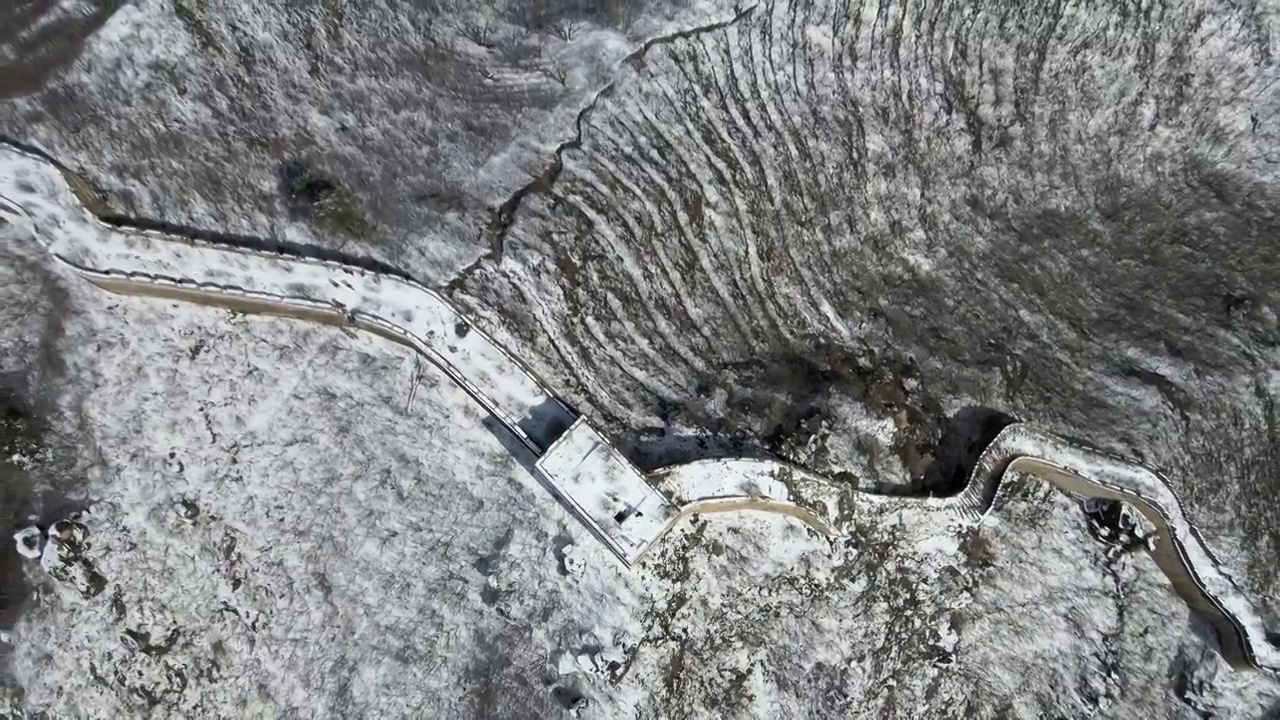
{"type": "Point", "coordinates": [512, 444]}
{"type": "Point", "coordinates": [650, 451]}
{"type": "Point", "coordinates": [30, 149]}
{"type": "Point", "coordinates": [244, 242]}
{"type": "Point", "coordinates": [547, 422]}
{"type": "Point", "coordinates": [967, 434]}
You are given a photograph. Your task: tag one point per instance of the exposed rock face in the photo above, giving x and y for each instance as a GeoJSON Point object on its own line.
{"type": "Point", "coordinates": [64, 558]}
{"type": "Point", "coordinates": [1116, 524]}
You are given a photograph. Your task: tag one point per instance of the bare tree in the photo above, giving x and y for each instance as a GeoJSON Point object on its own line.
{"type": "Point", "coordinates": [554, 72]}
{"type": "Point", "coordinates": [478, 32]}
{"type": "Point", "coordinates": [565, 29]}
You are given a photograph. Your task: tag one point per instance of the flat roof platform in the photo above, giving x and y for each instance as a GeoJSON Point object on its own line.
{"type": "Point", "coordinates": [606, 491]}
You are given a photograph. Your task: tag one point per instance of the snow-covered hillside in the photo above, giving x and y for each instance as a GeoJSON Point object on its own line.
{"type": "Point", "coordinates": [806, 228]}
{"type": "Point", "coordinates": [260, 552]}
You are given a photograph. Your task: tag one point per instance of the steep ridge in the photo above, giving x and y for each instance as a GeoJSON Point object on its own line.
{"type": "Point", "coordinates": [1029, 189]}
{"type": "Point", "coordinates": [505, 214]}
{"type": "Point", "coordinates": [33, 195]}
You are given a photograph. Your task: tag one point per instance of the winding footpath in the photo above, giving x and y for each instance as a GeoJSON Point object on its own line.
{"type": "Point", "coordinates": [258, 276]}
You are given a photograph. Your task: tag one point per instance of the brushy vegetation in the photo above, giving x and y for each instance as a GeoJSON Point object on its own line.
{"type": "Point", "coordinates": [19, 430]}
{"type": "Point", "coordinates": [320, 198]}
{"type": "Point", "coordinates": [20, 440]}
{"type": "Point", "coordinates": [89, 194]}
{"type": "Point", "coordinates": [192, 14]}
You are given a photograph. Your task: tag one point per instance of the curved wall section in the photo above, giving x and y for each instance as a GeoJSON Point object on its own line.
{"type": "Point", "coordinates": [577, 465]}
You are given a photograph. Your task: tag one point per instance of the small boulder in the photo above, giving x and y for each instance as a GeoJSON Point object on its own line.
{"type": "Point", "coordinates": [30, 542]}
{"type": "Point", "coordinates": [574, 563]}
{"type": "Point", "coordinates": [187, 510]}
{"type": "Point", "coordinates": [64, 558]}
{"type": "Point", "coordinates": [1117, 524]}
{"type": "Point", "coordinates": [70, 534]}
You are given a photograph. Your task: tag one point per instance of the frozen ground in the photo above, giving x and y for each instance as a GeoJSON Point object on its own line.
{"type": "Point", "coordinates": [1061, 211]}
{"type": "Point", "coordinates": [261, 553]}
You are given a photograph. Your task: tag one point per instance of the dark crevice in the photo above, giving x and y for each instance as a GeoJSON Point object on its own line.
{"type": "Point", "coordinates": [966, 436]}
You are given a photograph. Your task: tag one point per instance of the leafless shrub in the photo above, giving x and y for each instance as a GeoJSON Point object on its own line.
{"type": "Point", "coordinates": [978, 550]}
{"type": "Point", "coordinates": [555, 73]}
{"type": "Point", "coordinates": [478, 32]}
{"type": "Point", "coordinates": [622, 15]}
{"type": "Point", "coordinates": [523, 51]}
{"type": "Point", "coordinates": [565, 29]}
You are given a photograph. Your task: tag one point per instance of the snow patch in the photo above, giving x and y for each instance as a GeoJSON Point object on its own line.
{"type": "Point", "coordinates": [30, 542]}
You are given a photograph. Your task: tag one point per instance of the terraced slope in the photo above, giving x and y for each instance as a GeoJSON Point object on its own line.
{"type": "Point", "coordinates": [156, 264]}
{"type": "Point", "coordinates": [834, 220]}
{"type": "Point", "coordinates": [866, 182]}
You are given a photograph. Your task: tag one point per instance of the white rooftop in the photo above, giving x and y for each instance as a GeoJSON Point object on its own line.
{"type": "Point", "coordinates": [606, 491]}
